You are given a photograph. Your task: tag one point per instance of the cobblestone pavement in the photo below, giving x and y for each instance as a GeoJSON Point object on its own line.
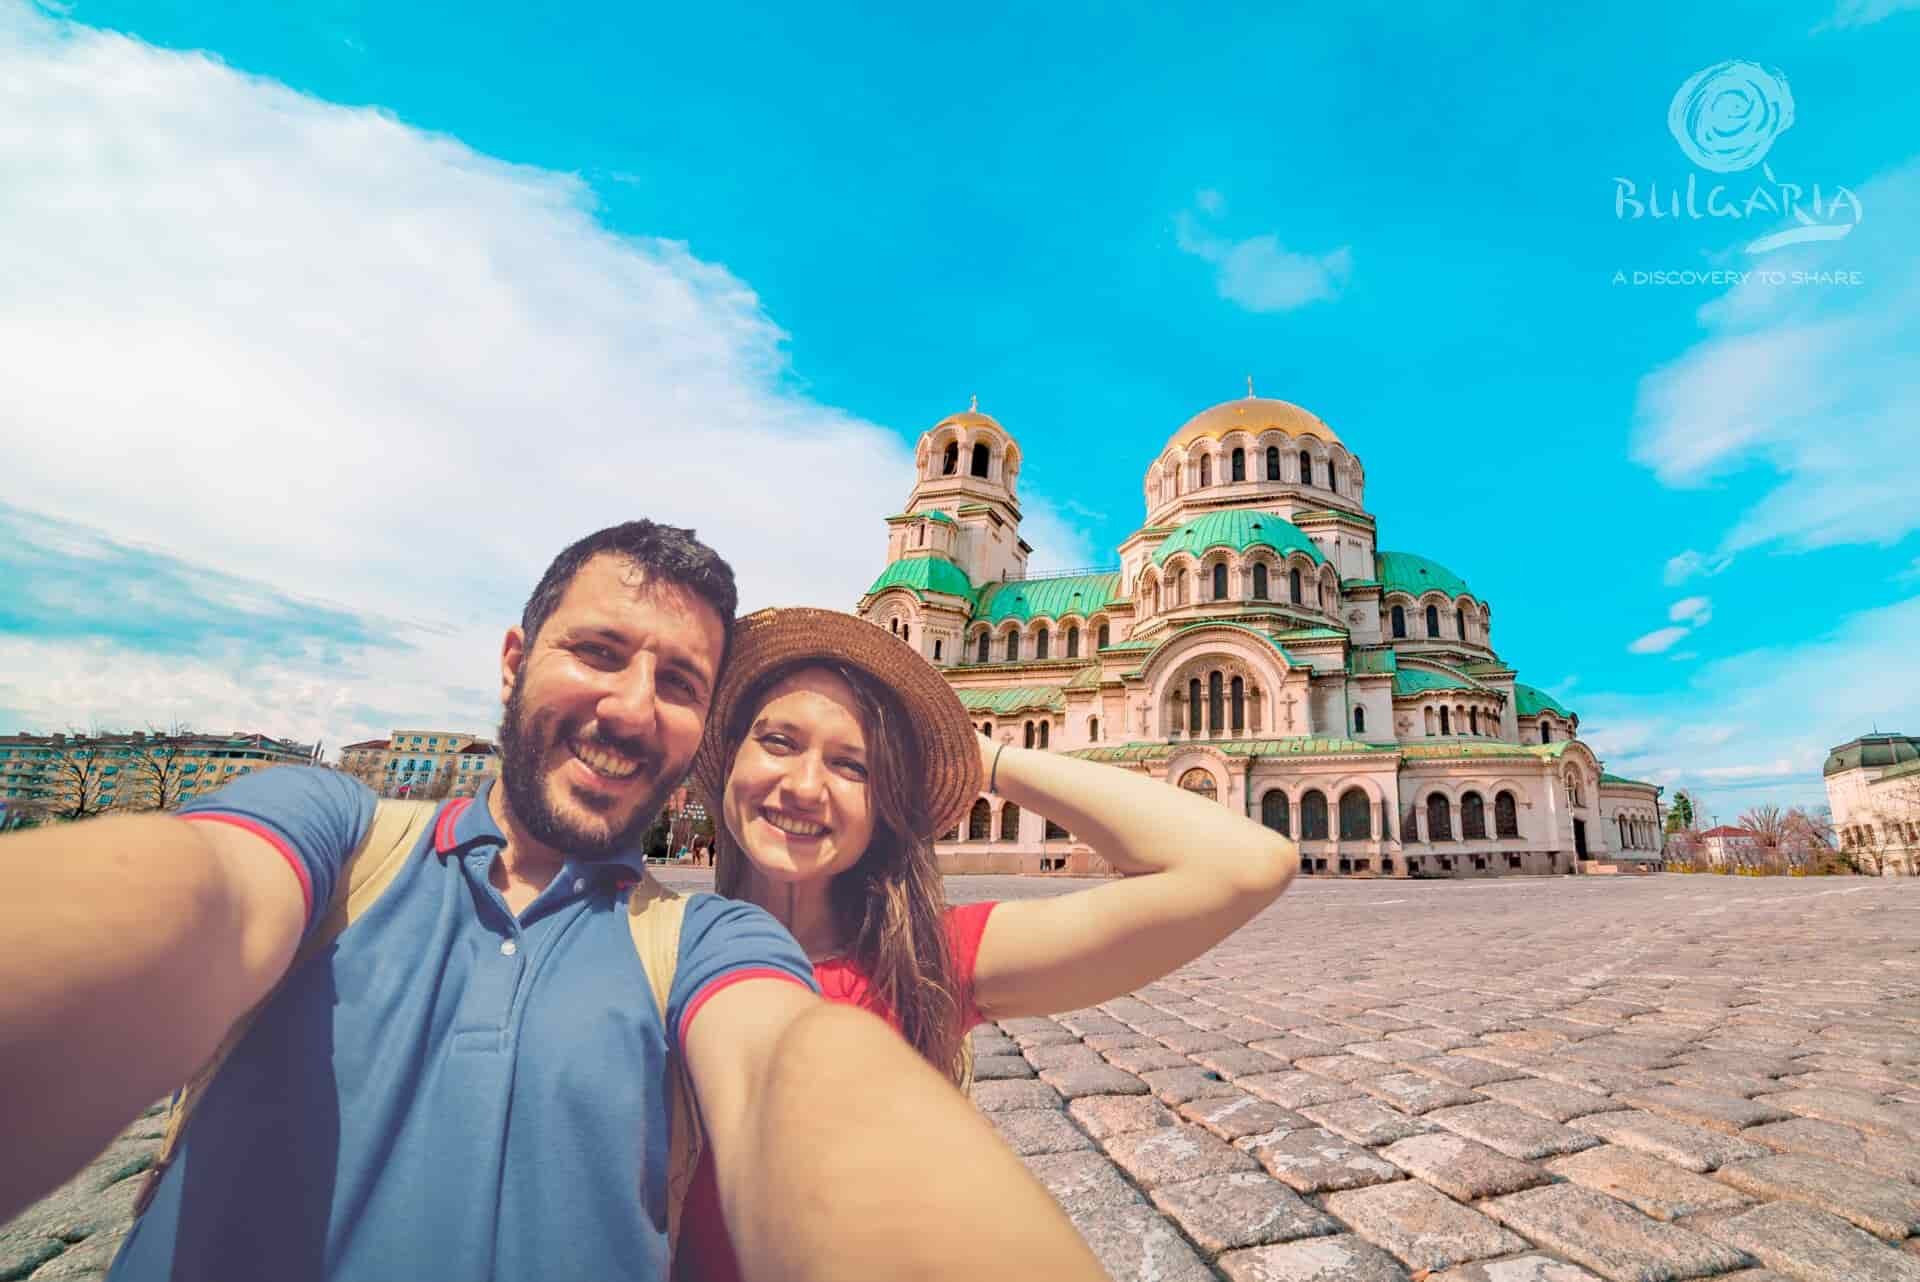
{"type": "Point", "coordinates": [1513, 1080]}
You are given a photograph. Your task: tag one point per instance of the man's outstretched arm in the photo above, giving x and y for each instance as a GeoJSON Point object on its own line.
{"type": "Point", "coordinates": [842, 1155]}
{"type": "Point", "coordinates": [128, 946]}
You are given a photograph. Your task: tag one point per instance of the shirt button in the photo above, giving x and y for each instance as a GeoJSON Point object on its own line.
{"type": "Point", "coordinates": [508, 948]}
{"type": "Point", "coordinates": [579, 884]}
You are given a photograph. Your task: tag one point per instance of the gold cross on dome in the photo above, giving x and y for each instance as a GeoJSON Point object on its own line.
{"type": "Point", "coordinates": [1249, 387]}
{"type": "Point", "coordinates": [973, 404]}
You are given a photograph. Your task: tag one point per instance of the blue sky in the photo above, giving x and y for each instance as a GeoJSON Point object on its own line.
{"type": "Point", "coordinates": [360, 264]}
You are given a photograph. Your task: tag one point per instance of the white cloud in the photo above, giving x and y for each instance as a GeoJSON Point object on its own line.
{"type": "Point", "coordinates": [1058, 543]}
{"type": "Point", "coordinates": [1262, 275]}
{"type": "Point", "coordinates": [315, 347]}
{"type": "Point", "coordinates": [1689, 563]}
{"type": "Point", "coordinates": [1210, 201]}
{"type": "Point", "coordinates": [1806, 381]}
{"type": "Point", "coordinates": [1864, 13]}
{"type": "Point", "coordinates": [1695, 609]}
{"type": "Point", "coordinates": [1909, 574]}
{"type": "Point", "coordinates": [1657, 641]}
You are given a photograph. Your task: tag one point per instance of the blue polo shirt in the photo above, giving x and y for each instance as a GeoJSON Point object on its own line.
{"type": "Point", "coordinates": [446, 1092]}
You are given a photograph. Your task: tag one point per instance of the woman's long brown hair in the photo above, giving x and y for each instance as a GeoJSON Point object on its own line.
{"type": "Point", "coordinates": [892, 904]}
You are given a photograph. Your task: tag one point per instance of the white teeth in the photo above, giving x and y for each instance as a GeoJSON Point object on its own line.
{"type": "Point", "coordinates": [610, 764]}
{"type": "Point", "coordinates": [798, 827]}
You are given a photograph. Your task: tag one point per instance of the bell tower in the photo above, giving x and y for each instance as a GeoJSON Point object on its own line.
{"type": "Point", "coordinates": [964, 504]}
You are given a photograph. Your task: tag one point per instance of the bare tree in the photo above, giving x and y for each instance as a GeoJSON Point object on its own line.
{"type": "Point", "coordinates": [159, 766]}
{"type": "Point", "coordinates": [440, 786]}
{"type": "Point", "coordinates": [73, 779]}
{"type": "Point", "coordinates": [1765, 823]}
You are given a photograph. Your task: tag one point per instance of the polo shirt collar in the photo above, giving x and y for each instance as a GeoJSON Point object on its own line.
{"type": "Point", "coordinates": [466, 823]}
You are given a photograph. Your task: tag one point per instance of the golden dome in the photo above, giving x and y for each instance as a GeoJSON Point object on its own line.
{"type": "Point", "coordinates": [1251, 414]}
{"type": "Point", "coordinates": [968, 418]}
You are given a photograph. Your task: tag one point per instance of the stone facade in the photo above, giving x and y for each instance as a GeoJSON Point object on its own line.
{"type": "Point", "coordinates": [1256, 645]}
{"type": "Point", "coordinates": [1873, 789]}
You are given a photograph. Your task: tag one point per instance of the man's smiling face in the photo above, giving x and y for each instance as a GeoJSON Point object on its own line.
{"type": "Point", "coordinates": [605, 708]}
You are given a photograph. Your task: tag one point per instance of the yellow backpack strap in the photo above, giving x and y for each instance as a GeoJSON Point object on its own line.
{"type": "Point", "coordinates": [370, 869]}
{"type": "Point", "coordinates": [654, 915]}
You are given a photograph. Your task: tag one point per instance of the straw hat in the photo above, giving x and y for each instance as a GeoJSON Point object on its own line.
{"type": "Point", "coordinates": [773, 638]}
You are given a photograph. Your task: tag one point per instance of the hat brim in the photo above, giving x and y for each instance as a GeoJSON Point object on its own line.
{"type": "Point", "coordinates": [773, 638]}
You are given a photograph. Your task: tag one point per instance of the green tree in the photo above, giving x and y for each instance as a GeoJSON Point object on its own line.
{"type": "Point", "coordinates": [1680, 814]}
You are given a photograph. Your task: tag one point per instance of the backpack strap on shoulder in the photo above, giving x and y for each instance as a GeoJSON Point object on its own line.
{"type": "Point", "coordinates": [655, 915]}
{"type": "Point", "coordinates": [370, 869]}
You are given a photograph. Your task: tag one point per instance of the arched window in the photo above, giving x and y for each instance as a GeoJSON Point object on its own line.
{"type": "Point", "coordinates": [1093, 730]}
{"type": "Point", "coordinates": [920, 531]}
{"type": "Point", "coordinates": [1445, 728]}
{"type": "Point", "coordinates": [979, 821]}
{"type": "Point", "coordinates": [1293, 586]}
{"type": "Point", "coordinates": [1433, 620]}
{"type": "Point", "coordinates": [1201, 783]}
{"type": "Point", "coordinates": [1313, 816]}
{"type": "Point", "coordinates": [1216, 704]}
{"type": "Point", "coordinates": [1054, 832]}
{"type": "Point", "coordinates": [1546, 731]}
{"type": "Point", "coordinates": [1473, 720]}
{"type": "Point", "coordinates": [1460, 623]}
{"type": "Point", "coordinates": [980, 459]}
{"type": "Point", "coordinates": [1104, 634]}
{"type": "Point", "coordinates": [1473, 817]}
{"type": "Point", "coordinates": [893, 626]}
{"type": "Point", "coordinates": [1439, 816]}
{"type": "Point", "coordinates": [1623, 831]}
{"type": "Point", "coordinates": [1356, 816]}
{"type": "Point", "coordinates": [1274, 811]}
{"type": "Point", "coordinates": [986, 728]}
{"type": "Point", "coordinates": [1029, 739]}
{"type": "Point", "coordinates": [1399, 621]}
{"type": "Point", "coordinates": [1239, 465]}
{"type": "Point", "coordinates": [1043, 732]}
{"type": "Point", "coordinates": [1193, 706]}
{"type": "Point", "coordinates": [1306, 468]}
{"type": "Point", "coordinates": [1273, 462]}
{"type": "Point", "coordinates": [1259, 582]}
{"type": "Point", "coordinates": [1073, 642]}
{"type": "Point", "coordinates": [1009, 822]}
{"type": "Point", "coordinates": [950, 461]}
{"type": "Point", "coordinates": [1220, 581]}
{"type": "Point", "coordinates": [1206, 471]}
{"type": "Point", "coordinates": [1239, 704]}
{"type": "Point", "coordinates": [1506, 816]}
{"type": "Point", "coordinates": [1326, 595]}
{"type": "Point", "coordinates": [1430, 726]}
{"type": "Point", "coordinates": [1359, 720]}
{"type": "Point", "coordinates": [985, 641]}
{"type": "Point", "coordinates": [1040, 644]}
{"type": "Point", "coordinates": [1013, 646]}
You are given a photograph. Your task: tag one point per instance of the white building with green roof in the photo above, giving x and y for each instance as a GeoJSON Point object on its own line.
{"type": "Point", "coordinates": [1253, 644]}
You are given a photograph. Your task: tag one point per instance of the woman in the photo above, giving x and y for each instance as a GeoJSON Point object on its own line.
{"type": "Point", "coordinates": [835, 754]}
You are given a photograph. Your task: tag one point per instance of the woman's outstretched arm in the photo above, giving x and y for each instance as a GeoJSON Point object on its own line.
{"type": "Point", "coordinates": [1194, 872]}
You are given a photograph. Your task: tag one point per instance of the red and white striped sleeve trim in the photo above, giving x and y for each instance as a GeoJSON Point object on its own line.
{"type": "Point", "coordinates": [720, 983]}
{"type": "Point", "coordinates": [269, 836]}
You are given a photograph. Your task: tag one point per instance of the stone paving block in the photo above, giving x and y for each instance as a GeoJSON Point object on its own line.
{"type": "Point", "coordinates": [1548, 1099]}
{"type": "Point", "coordinates": [987, 1039]}
{"type": "Point", "coordinates": [1146, 1059]}
{"type": "Point", "coordinates": [1506, 1128]}
{"type": "Point", "coordinates": [1129, 1010]}
{"type": "Point", "coordinates": [1864, 1083]}
{"type": "Point", "coordinates": [1234, 1116]}
{"type": "Point", "coordinates": [1883, 1207]}
{"type": "Point", "coordinates": [1196, 1039]}
{"type": "Point", "coordinates": [1174, 1154]}
{"type": "Point", "coordinates": [1243, 1030]}
{"type": "Point", "coordinates": [1312, 1160]}
{"type": "Point", "coordinates": [1533, 1040]}
{"type": "Point", "coordinates": [1296, 1090]}
{"type": "Point", "coordinates": [1288, 1047]}
{"type": "Point", "coordinates": [991, 1097]}
{"type": "Point", "coordinates": [1335, 1034]}
{"type": "Point", "coordinates": [1092, 1079]}
{"type": "Point", "coordinates": [1414, 1094]}
{"type": "Point", "coordinates": [1463, 1070]}
{"type": "Point", "coordinates": [1420, 1226]}
{"type": "Point", "coordinates": [1593, 1077]}
{"type": "Point", "coordinates": [77, 1210]}
{"type": "Point", "coordinates": [85, 1261]}
{"type": "Point", "coordinates": [1344, 1068]}
{"type": "Point", "coordinates": [1343, 1258]}
{"type": "Point", "coordinates": [1241, 1209]}
{"type": "Point", "coordinates": [1054, 1036]}
{"type": "Point", "coordinates": [1814, 1246]}
{"type": "Point", "coordinates": [1762, 1065]}
{"type": "Point", "coordinates": [1083, 1181]}
{"type": "Point", "coordinates": [21, 1254]}
{"type": "Point", "coordinates": [1388, 1050]}
{"type": "Point", "coordinates": [1159, 1025]}
{"type": "Point", "coordinates": [1610, 1237]}
{"type": "Point", "coordinates": [1086, 1023]}
{"type": "Point", "coordinates": [1727, 1114]}
{"type": "Point", "coordinates": [1439, 1039]}
{"type": "Point", "coordinates": [1239, 1061]}
{"type": "Point", "coordinates": [1461, 1168]}
{"type": "Point", "coordinates": [1060, 1055]}
{"type": "Point", "coordinates": [1849, 1108]}
{"type": "Point", "coordinates": [1660, 1189]}
{"type": "Point", "coordinates": [1624, 1052]}
{"type": "Point", "coordinates": [1137, 1242]}
{"type": "Point", "coordinates": [1103, 1116]}
{"type": "Point", "coordinates": [1365, 1121]}
{"type": "Point", "coordinates": [1508, 1056]}
{"type": "Point", "coordinates": [1531, 1267]}
{"type": "Point", "coordinates": [1664, 1138]}
{"type": "Point", "coordinates": [1104, 1042]}
{"type": "Point", "coordinates": [1178, 1085]}
{"type": "Point", "coordinates": [1031, 1131]}
{"type": "Point", "coordinates": [1841, 1144]}
{"type": "Point", "coordinates": [993, 1068]}
{"type": "Point", "coordinates": [1717, 1080]}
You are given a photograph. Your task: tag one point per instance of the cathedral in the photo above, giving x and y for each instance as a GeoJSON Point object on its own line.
{"type": "Point", "coordinates": [1255, 646]}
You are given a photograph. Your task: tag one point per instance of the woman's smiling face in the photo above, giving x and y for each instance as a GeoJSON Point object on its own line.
{"type": "Point", "coordinates": [796, 800]}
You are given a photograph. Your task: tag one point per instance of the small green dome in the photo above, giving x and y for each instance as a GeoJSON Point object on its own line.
{"type": "Point", "coordinates": [1873, 751]}
{"type": "Point", "coordinates": [1237, 530]}
{"type": "Point", "coordinates": [1531, 701]}
{"type": "Point", "coordinates": [923, 574]}
{"type": "Point", "coordinates": [1405, 572]}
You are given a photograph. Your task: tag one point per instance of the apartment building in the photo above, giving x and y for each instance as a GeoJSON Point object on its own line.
{"type": "Point", "coordinates": [71, 776]}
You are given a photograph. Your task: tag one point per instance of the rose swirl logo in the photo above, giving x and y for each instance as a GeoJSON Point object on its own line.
{"type": "Point", "coordinates": [1726, 116]}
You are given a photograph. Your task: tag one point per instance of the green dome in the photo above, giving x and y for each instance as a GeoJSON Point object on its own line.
{"type": "Point", "coordinates": [1419, 681]}
{"type": "Point", "coordinates": [1530, 701]}
{"type": "Point", "coordinates": [1237, 530]}
{"type": "Point", "coordinates": [923, 574]}
{"type": "Point", "coordinates": [1054, 597]}
{"type": "Point", "coordinates": [1873, 751]}
{"type": "Point", "coordinates": [1405, 572]}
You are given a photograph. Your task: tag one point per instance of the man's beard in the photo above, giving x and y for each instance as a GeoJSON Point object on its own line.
{"type": "Point", "coordinates": [523, 747]}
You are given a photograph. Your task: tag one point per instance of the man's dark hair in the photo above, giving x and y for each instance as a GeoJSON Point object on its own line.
{"type": "Point", "coordinates": [666, 553]}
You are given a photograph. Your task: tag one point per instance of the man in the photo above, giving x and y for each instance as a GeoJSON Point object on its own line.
{"type": "Point", "coordinates": [469, 1083]}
